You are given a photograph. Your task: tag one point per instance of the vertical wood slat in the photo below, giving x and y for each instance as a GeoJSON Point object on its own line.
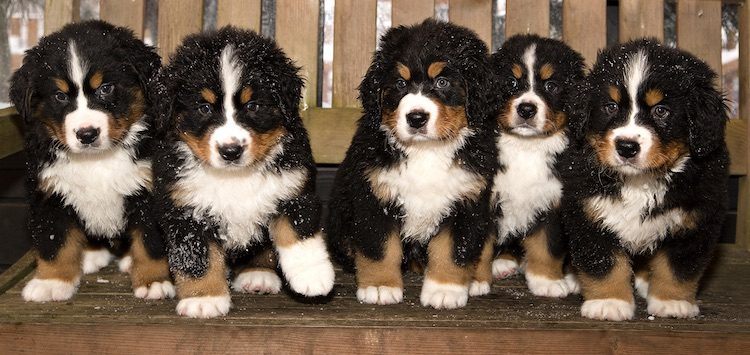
{"type": "Point", "coordinates": [354, 32]}
{"type": "Point", "coordinates": [297, 33]}
{"type": "Point", "coordinates": [585, 26]}
{"type": "Point", "coordinates": [527, 16]}
{"type": "Point", "coordinates": [474, 14]}
{"type": "Point", "coordinates": [57, 13]}
{"type": "Point", "coordinates": [699, 30]}
{"type": "Point", "coordinates": [408, 12]}
{"type": "Point", "coordinates": [641, 18]}
{"type": "Point", "coordinates": [177, 18]}
{"type": "Point", "coordinates": [743, 204]}
{"type": "Point", "coordinates": [124, 13]}
{"type": "Point", "coordinates": [240, 13]}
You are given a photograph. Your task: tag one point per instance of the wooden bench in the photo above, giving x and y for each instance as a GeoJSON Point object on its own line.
{"type": "Point", "coordinates": [104, 317]}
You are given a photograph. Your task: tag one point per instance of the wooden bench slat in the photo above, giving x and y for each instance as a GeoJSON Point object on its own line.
{"type": "Point", "coordinates": [641, 18]}
{"type": "Point", "coordinates": [177, 19]}
{"type": "Point", "coordinates": [297, 33]}
{"type": "Point", "coordinates": [743, 205]}
{"type": "Point", "coordinates": [527, 16]}
{"type": "Point", "coordinates": [585, 26]}
{"type": "Point", "coordinates": [354, 33]}
{"type": "Point", "coordinates": [57, 13]}
{"type": "Point", "coordinates": [699, 30]}
{"type": "Point", "coordinates": [11, 136]}
{"type": "Point", "coordinates": [130, 14]}
{"type": "Point", "coordinates": [474, 14]}
{"type": "Point", "coordinates": [409, 12]}
{"type": "Point", "coordinates": [240, 13]}
{"type": "Point", "coordinates": [331, 132]}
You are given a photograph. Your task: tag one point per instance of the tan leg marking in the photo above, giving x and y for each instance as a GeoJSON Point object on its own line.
{"type": "Point", "coordinates": [145, 270]}
{"type": "Point", "coordinates": [66, 265]}
{"type": "Point", "coordinates": [384, 272]}
{"type": "Point", "coordinates": [616, 284]}
{"type": "Point", "coordinates": [282, 232]}
{"type": "Point", "coordinates": [665, 286]}
{"type": "Point", "coordinates": [213, 283]}
{"type": "Point", "coordinates": [441, 266]}
{"type": "Point", "coordinates": [483, 267]}
{"type": "Point", "coordinates": [539, 260]}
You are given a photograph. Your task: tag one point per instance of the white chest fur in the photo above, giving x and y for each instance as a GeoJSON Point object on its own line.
{"type": "Point", "coordinates": [241, 201]}
{"type": "Point", "coordinates": [528, 185]}
{"type": "Point", "coordinates": [629, 216]}
{"type": "Point", "coordinates": [96, 186]}
{"type": "Point", "coordinates": [426, 185]}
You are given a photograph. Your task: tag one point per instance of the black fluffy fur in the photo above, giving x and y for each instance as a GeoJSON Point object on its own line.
{"type": "Point", "coordinates": [128, 63]}
{"type": "Point", "coordinates": [358, 221]}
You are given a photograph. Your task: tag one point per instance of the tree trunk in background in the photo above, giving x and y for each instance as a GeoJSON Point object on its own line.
{"type": "Point", "coordinates": [4, 51]}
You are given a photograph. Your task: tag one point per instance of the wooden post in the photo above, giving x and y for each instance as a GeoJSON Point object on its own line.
{"type": "Point", "coordinates": [297, 33]}
{"type": "Point", "coordinates": [354, 32]}
{"type": "Point", "coordinates": [699, 30]}
{"type": "Point", "coordinates": [409, 12]}
{"type": "Point", "coordinates": [743, 203]}
{"type": "Point", "coordinates": [240, 13]}
{"type": "Point", "coordinates": [474, 14]}
{"type": "Point", "coordinates": [57, 13]}
{"type": "Point", "coordinates": [527, 16]}
{"type": "Point", "coordinates": [177, 18]}
{"type": "Point", "coordinates": [124, 13]}
{"type": "Point", "coordinates": [585, 26]}
{"type": "Point", "coordinates": [641, 18]}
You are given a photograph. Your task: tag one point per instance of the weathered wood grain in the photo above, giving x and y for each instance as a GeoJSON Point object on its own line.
{"type": "Point", "coordinates": [409, 12]}
{"type": "Point", "coordinates": [177, 19]}
{"type": "Point", "coordinates": [124, 13]}
{"type": "Point", "coordinates": [585, 26]}
{"type": "Point", "coordinates": [474, 14]}
{"type": "Point", "coordinates": [641, 18]}
{"type": "Point", "coordinates": [240, 13]}
{"type": "Point", "coordinates": [57, 13]}
{"type": "Point", "coordinates": [527, 16]}
{"type": "Point", "coordinates": [354, 40]}
{"type": "Point", "coordinates": [699, 30]}
{"type": "Point", "coordinates": [743, 205]}
{"type": "Point", "coordinates": [297, 33]}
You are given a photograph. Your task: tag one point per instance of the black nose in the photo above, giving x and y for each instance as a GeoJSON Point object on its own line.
{"type": "Point", "coordinates": [417, 119]}
{"type": "Point", "coordinates": [627, 148]}
{"type": "Point", "coordinates": [526, 110]}
{"type": "Point", "coordinates": [87, 135]}
{"type": "Point", "coordinates": [231, 152]}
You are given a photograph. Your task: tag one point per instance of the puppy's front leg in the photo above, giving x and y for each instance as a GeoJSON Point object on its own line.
{"type": "Point", "coordinates": [303, 260]}
{"type": "Point", "coordinates": [57, 277]}
{"type": "Point", "coordinates": [149, 275]}
{"type": "Point", "coordinates": [380, 281]}
{"type": "Point", "coordinates": [207, 295]}
{"type": "Point", "coordinates": [608, 296]}
{"type": "Point", "coordinates": [446, 284]}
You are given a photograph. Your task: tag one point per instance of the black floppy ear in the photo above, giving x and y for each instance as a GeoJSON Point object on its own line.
{"type": "Point", "coordinates": [579, 110]}
{"type": "Point", "coordinates": [707, 118]}
{"type": "Point", "coordinates": [163, 98]}
{"type": "Point", "coordinates": [22, 92]}
{"type": "Point", "coordinates": [370, 89]}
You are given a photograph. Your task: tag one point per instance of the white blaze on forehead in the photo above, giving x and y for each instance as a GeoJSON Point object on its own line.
{"type": "Point", "coordinates": [231, 71]}
{"type": "Point", "coordinates": [83, 116]}
{"type": "Point", "coordinates": [636, 71]}
{"type": "Point", "coordinates": [530, 97]}
{"type": "Point", "coordinates": [529, 58]}
{"type": "Point", "coordinates": [417, 102]}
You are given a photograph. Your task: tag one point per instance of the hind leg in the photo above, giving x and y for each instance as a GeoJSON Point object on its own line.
{"type": "Point", "coordinates": [544, 270]}
{"type": "Point", "coordinates": [259, 275]}
{"type": "Point", "coordinates": [482, 276]}
{"type": "Point", "coordinates": [149, 275]}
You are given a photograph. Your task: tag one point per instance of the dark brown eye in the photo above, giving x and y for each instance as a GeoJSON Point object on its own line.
{"type": "Point", "coordinates": [61, 97]}
{"type": "Point", "coordinates": [252, 106]}
{"type": "Point", "coordinates": [660, 112]}
{"type": "Point", "coordinates": [512, 82]}
{"type": "Point", "coordinates": [400, 84]}
{"type": "Point", "coordinates": [205, 109]}
{"type": "Point", "coordinates": [442, 83]}
{"type": "Point", "coordinates": [610, 108]}
{"type": "Point", "coordinates": [552, 87]}
{"type": "Point", "coordinates": [105, 90]}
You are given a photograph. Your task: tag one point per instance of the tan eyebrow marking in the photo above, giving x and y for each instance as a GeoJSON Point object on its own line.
{"type": "Point", "coordinates": [517, 71]}
{"type": "Point", "coordinates": [208, 95]}
{"type": "Point", "coordinates": [614, 93]}
{"type": "Point", "coordinates": [654, 96]}
{"type": "Point", "coordinates": [403, 71]}
{"type": "Point", "coordinates": [246, 94]}
{"type": "Point", "coordinates": [435, 69]}
{"type": "Point", "coordinates": [96, 80]}
{"type": "Point", "coordinates": [62, 85]}
{"type": "Point", "coordinates": [546, 71]}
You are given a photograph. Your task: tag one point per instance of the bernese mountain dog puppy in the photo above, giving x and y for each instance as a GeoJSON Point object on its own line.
{"type": "Point", "coordinates": [82, 94]}
{"type": "Point", "coordinates": [646, 190]}
{"type": "Point", "coordinates": [538, 76]}
{"type": "Point", "coordinates": [235, 177]}
{"type": "Point", "coordinates": [414, 184]}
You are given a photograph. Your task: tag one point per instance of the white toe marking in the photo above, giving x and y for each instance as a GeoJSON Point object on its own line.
{"type": "Point", "coordinates": [257, 281]}
{"type": "Point", "coordinates": [94, 260]}
{"type": "Point", "coordinates": [608, 309]}
{"type": "Point", "coordinates": [204, 307]}
{"type": "Point", "coordinates": [443, 295]}
{"type": "Point", "coordinates": [307, 268]}
{"type": "Point", "coordinates": [672, 308]}
{"type": "Point", "coordinates": [44, 290]}
{"type": "Point", "coordinates": [543, 286]}
{"type": "Point", "coordinates": [502, 268]}
{"type": "Point", "coordinates": [125, 263]}
{"type": "Point", "coordinates": [380, 295]}
{"type": "Point", "coordinates": [156, 291]}
{"type": "Point", "coordinates": [641, 287]}
{"type": "Point", "coordinates": [479, 288]}
{"type": "Point", "coordinates": [572, 281]}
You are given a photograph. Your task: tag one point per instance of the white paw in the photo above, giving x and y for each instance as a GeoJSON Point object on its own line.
{"type": "Point", "coordinates": [442, 295]}
{"type": "Point", "coordinates": [43, 290]}
{"type": "Point", "coordinates": [641, 287]}
{"type": "Point", "coordinates": [479, 288]}
{"type": "Point", "coordinates": [380, 295]}
{"type": "Point", "coordinates": [572, 281]}
{"type": "Point", "coordinates": [156, 291]}
{"type": "Point", "coordinates": [125, 263]}
{"type": "Point", "coordinates": [672, 308]}
{"type": "Point", "coordinates": [503, 268]}
{"type": "Point", "coordinates": [307, 268]}
{"type": "Point", "coordinates": [94, 260]}
{"type": "Point", "coordinates": [257, 281]}
{"type": "Point", "coordinates": [543, 286]}
{"type": "Point", "coordinates": [204, 307]}
{"type": "Point", "coordinates": [608, 309]}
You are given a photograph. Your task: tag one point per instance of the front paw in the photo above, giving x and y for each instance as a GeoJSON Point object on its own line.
{"type": "Point", "coordinates": [125, 264]}
{"type": "Point", "coordinates": [608, 309]}
{"type": "Point", "coordinates": [204, 307]}
{"type": "Point", "coordinates": [94, 260]}
{"type": "Point", "coordinates": [257, 282]}
{"type": "Point", "coordinates": [545, 287]}
{"type": "Point", "coordinates": [44, 290]}
{"type": "Point", "coordinates": [307, 268]}
{"type": "Point", "coordinates": [380, 295]}
{"type": "Point", "coordinates": [504, 268]}
{"type": "Point", "coordinates": [443, 295]}
{"type": "Point", "coordinates": [672, 308]}
{"type": "Point", "coordinates": [156, 291]}
{"type": "Point", "coordinates": [479, 288]}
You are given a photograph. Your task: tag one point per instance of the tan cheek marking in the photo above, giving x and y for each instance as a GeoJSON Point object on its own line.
{"type": "Point", "coordinates": [201, 146]}
{"type": "Point", "coordinates": [390, 119]}
{"type": "Point", "coordinates": [555, 121]}
{"type": "Point", "coordinates": [505, 117]}
{"type": "Point", "coordinates": [146, 270]}
{"type": "Point", "coordinates": [451, 120]}
{"type": "Point", "coordinates": [66, 265]}
{"type": "Point", "coordinates": [96, 80]}
{"type": "Point", "coordinates": [604, 147]}
{"type": "Point", "coordinates": [383, 272]}
{"type": "Point", "coordinates": [546, 71]}
{"type": "Point", "coordinates": [653, 97]}
{"type": "Point", "coordinates": [616, 284]}
{"type": "Point", "coordinates": [213, 283]}
{"type": "Point", "coordinates": [404, 71]}
{"type": "Point", "coordinates": [62, 85]}
{"type": "Point", "coordinates": [664, 285]}
{"type": "Point", "coordinates": [208, 95]}
{"type": "Point", "coordinates": [441, 266]}
{"type": "Point", "coordinates": [119, 127]}
{"type": "Point", "coordinates": [282, 233]}
{"type": "Point", "coordinates": [262, 143]}
{"type": "Point", "coordinates": [246, 94]}
{"type": "Point", "coordinates": [265, 260]}
{"type": "Point", "coordinates": [539, 260]}
{"type": "Point", "coordinates": [662, 156]}
{"type": "Point", "coordinates": [435, 69]}
{"type": "Point", "coordinates": [517, 71]}
{"type": "Point", "coordinates": [614, 94]}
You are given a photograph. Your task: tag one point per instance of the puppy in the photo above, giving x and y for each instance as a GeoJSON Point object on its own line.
{"type": "Point", "coordinates": [538, 77]}
{"type": "Point", "coordinates": [415, 181]}
{"type": "Point", "coordinates": [235, 174]}
{"type": "Point", "coordinates": [82, 93]}
{"type": "Point", "coordinates": [648, 183]}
